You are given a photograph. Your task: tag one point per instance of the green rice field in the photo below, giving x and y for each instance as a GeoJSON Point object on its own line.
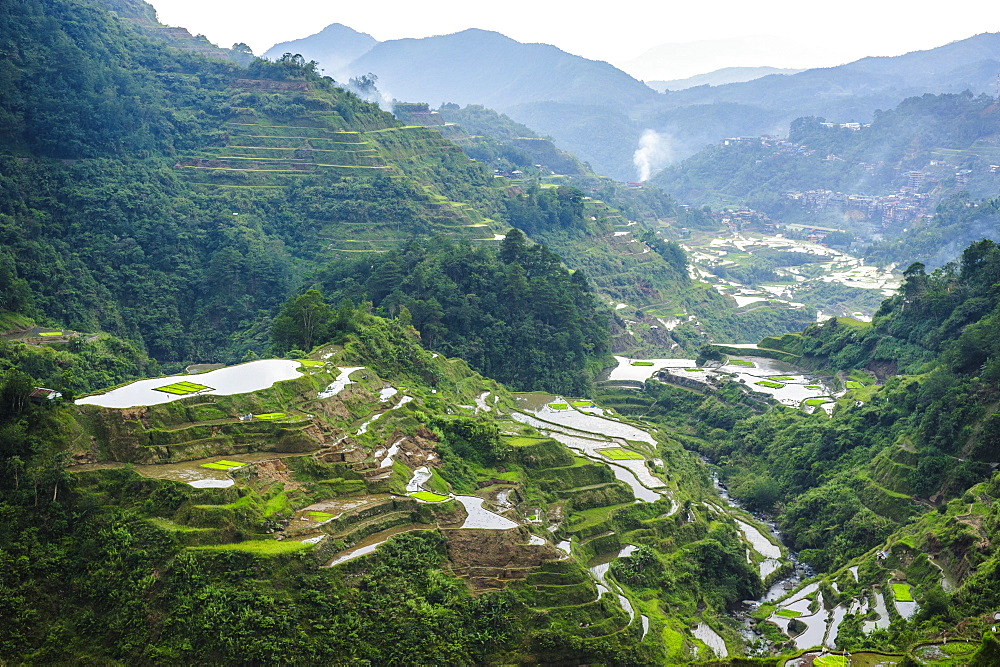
{"type": "Point", "coordinates": [619, 454]}
{"type": "Point", "coordinates": [642, 363]}
{"type": "Point", "coordinates": [740, 362]}
{"type": "Point", "coordinates": [222, 465]}
{"type": "Point", "coordinates": [428, 497]}
{"type": "Point", "coordinates": [258, 547]}
{"type": "Point", "coordinates": [182, 388]}
{"type": "Point", "coordinates": [768, 383]}
{"type": "Point", "coordinates": [902, 592]}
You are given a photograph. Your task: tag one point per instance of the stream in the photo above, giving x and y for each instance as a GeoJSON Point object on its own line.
{"type": "Point", "coordinates": [772, 561]}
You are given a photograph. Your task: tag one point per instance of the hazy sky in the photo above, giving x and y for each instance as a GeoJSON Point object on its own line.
{"type": "Point", "coordinates": [846, 31]}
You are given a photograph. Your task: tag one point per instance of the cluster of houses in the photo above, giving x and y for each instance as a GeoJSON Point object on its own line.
{"type": "Point", "coordinates": [901, 207]}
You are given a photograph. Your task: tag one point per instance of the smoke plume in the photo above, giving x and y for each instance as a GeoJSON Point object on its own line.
{"type": "Point", "coordinates": [654, 152]}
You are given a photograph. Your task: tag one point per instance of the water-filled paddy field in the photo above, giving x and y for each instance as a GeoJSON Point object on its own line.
{"type": "Point", "coordinates": [190, 472]}
{"type": "Point", "coordinates": [240, 379]}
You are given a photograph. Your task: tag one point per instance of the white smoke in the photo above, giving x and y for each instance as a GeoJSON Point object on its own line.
{"type": "Point", "coordinates": [654, 152]}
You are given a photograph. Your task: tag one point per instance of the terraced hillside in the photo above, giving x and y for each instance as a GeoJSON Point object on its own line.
{"type": "Point", "coordinates": [527, 514]}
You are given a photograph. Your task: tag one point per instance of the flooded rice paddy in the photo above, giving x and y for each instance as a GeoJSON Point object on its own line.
{"type": "Point", "coordinates": [479, 517]}
{"type": "Point", "coordinates": [240, 379]}
{"type": "Point", "coordinates": [599, 569]}
{"type": "Point", "coordinates": [711, 638]}
{"type": "Point", "coordinates": [626, 371]}
{"type": "Point", "coordinates": [571, 432]}
{"type": "Point", "coordinates": [791, 391]}
{"type": "Point", "coordinates": [833, 267]}
{"type": "Point", "coordinates": [189, 472]}
{"type": "Point", "coordinates": [340, 383]}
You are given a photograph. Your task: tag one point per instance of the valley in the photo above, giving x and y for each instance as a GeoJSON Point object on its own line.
{"type": "Point", "coordinates": [287, 376]}
{"type": "Point", "coordinates": [801, 274]}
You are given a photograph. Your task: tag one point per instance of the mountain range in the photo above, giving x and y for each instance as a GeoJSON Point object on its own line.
{"type": "Point", "coordinates": [719, 77]}
{"type": "Point", "coordinates": [600, 113]}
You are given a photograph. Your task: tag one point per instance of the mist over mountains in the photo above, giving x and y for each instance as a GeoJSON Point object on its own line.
{"type": "Point", "coordinates": [601, 113]}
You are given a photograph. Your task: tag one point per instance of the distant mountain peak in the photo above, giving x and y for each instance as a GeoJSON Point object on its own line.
{"type": "Point", "coordinates": [333, 47]}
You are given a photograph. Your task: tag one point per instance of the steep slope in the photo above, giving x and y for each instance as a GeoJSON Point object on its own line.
{"type": "Point", "coordinates": [259, 173]}
{"type": "Point", "coordinates": [618, 236]}
{"type": "Point", "coordinates": [256, 514]}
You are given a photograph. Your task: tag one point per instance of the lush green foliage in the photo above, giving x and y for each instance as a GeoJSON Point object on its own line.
{"type": "Point", "coordinates": [79, 583]}
{"type": "Point", "coordinates": [515, 315]}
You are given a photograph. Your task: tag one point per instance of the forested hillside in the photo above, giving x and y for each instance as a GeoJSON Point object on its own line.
{"type": "Point", "coordinates": [930, 431]}
{"type": "Point", "coordinates": [178, 201]}
{"type": "Point", "coordinates": [941, 134]}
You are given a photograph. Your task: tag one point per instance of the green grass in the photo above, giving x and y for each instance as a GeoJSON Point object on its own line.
{"type": "Point", "coordinates": [740, 362]}
{"type": "Point", "coordinates": [851, 384]}
{"type": "Point", "coordinates": [693, 370]}
{"type": "Point", "coordinates": [581, 404]}
{"type": "Point", "coordinates": [310, 363]}
{"type": "Point", "coordinates": [222, 465]}
{"type": "Point", "coordinates": [319, 516]}
{"type": "Point", "coordinates": [619, 454]}
{"type": "Point", "coordinates": [258, 547]}
{"type": "Point", "coordinates": [780, 378]}
{"type": "Point", "coordinates": [176, 527]}
{"type": "Point", "coordinates": [830, 660]}
{"type": "Point", "coordinates": [271, 415]}
{"type": "Point", "coordinates": [428, 497]}
{"type": "Point", "coordinates": [181, 388]}
{"type": "Point", "coordinates": [817, 401]}
{"type": "Point", "coordinates": [957, 648]}
{"type": "Point", "coordinates": [558, 406]}
{"type": "Point", "coordinates": [50, 333]}
{"type": "Point", "coordinates": [788, 613]}
{"type": "Point", "coordinates": [523, 441]}
{"type": "Point", "coordinates": [813, 386]}
{"type": "Point", "coordinates": [902, 592]}
{"type": "Point", "coordinates": [642, 363]}
{"type": "Point", "coordinates": [768, 383]}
